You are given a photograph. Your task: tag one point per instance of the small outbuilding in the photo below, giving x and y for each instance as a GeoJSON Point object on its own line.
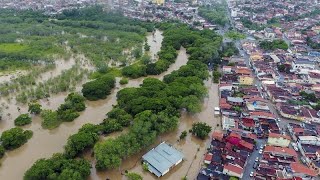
{"type": "Point", "coordinates": [162, 158]}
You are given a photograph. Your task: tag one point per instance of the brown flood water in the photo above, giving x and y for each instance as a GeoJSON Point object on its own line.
{"type": "Point", "coordinates": [44, 143]}
{"type": "Point", "coordinates": [189, 147]}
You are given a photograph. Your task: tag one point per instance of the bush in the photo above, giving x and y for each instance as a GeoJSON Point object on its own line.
{"type": "Point", "coordinates": [183, 134]}
{"type": "Point", "coordinates": [50, 119]}
{"type": "Point", "coordinates": [14, 138]}
{"type": "Point", "coordinates": [99, 88]}
{"type": "Point", "coordinates": [2, 151]}
{"type": "Point", "coordinates": [124, 81]}
{"type": "Point", "coordinates": [34, 108]}
{"type": "Point", "coordinates": [201, 130]}
{"type": "Point", "coordinates": [22, 120]}
{"type": "Point", "coordinates": [134, 176]}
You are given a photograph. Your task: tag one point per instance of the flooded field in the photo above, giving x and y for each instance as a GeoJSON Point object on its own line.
{"type": "Point", "coordinates": [44, 143]}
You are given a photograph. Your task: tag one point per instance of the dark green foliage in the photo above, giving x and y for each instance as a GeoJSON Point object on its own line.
{"type": "Point", "coordinates": [49, 119]}
{"type": "Point", "coordinates": [78, 142]}
{"type": "Point", "coordinates": [2, 151]}
{"type": "Point", "coordinates": [99, 88]}
{"type": "Point", "coordinates": [313, 44]}
{"type": "Point", "coordinates": [155, 107]}
{"type": "Point", "coordinates": [201, 130]}
{"type": "Point", "coordinates": [216, 14]}
{"type": "Point", "coordinates": [34, 108]}
{"type": "Point", "coordinates": [14, 138]}
{"type": "Point", "coordinates": [58, 167]}
{"type": "Point", "coordinates": [229, 49]}
{"type": "Point", "coordinates": [272, 45]}
{"type": "Point", "coordinates": [73, 104]}
{"type": "Point", "coordinates": [216, 76]}
{"type": "Point", "coordinates": [124, 81]}
{"type": "Point", "coordinates": [201, 46]}
{"type": "Point", "coordinates": [250, 25]}
{"type": "Point", "coordinates": [134, 71]}
{"type": "Point", "coordinates": [68, 111]}
{"type": "Point", "coordinates": [134, 176]}
{"type": "Point", "coordinates": [183, 134]}
{"type": "Point", "coordinates": [22, 120]}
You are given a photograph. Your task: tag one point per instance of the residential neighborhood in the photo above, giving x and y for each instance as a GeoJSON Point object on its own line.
{"type": "Point", "coordinates": [269, 95]}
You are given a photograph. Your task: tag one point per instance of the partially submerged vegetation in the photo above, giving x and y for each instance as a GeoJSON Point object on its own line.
{"type": "Point", "coordinates": [14, 138]}
{"type": "Point", "coordinates": [22, 120]}
{"type": "Point", "coordinates": [99, 88]}
{"type": "Point", "coordinates": [68, 111]}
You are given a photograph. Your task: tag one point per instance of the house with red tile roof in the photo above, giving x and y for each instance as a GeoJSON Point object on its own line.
{"type": "Point", "coordinates": [233, 170]}
{"type": "Point", "coordinates": [208, 158]}
{"type": "Point", "coordinates": [299, 170]}
{"type": "Point", "coordinates": [217, 135]}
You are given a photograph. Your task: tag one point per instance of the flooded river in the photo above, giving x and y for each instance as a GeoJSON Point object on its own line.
{"type": "Point", "coordinates": [44, 143]}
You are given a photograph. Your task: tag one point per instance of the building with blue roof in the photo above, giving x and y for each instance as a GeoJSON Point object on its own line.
{"type": "Point", "coordinates": [162, 158]}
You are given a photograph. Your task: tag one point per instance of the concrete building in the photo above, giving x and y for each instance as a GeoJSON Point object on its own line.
{"type": "Point", "coordinates": [227, 123]}
{"type": "Point", "coordinates": [246, 80]}
{"type": "Point", "coordinates": [278, 140]}
{"type": "Point", "coordinates": [162, 158]}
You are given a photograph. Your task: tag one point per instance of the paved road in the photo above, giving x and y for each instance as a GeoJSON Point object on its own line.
{"type": "Point", "coordinates": [249, 167]}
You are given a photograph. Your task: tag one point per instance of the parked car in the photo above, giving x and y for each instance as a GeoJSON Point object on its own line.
{"type": "Point", "coordinates": [260, 151]}
{"type": "Point", "coordinates": [257, 159]}
{"type": "Point", "coordinates": [255, 165]}
{"type": "Point", "coordinates": [251, 174]}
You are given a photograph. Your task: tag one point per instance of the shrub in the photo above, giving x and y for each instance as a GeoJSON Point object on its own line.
{"type": "Point", "coordinates": [22, 120]}
{"type": "Point", "coordinates": [124, 81]}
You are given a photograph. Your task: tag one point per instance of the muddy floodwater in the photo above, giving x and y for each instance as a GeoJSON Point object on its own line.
{"type": "Point", "coordinates": [44, 143]}
{"type": "Point", "coordinates": [192, 147]}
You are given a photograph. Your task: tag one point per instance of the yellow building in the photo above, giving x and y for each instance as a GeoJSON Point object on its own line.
{"type": "Point", "coordinates": [246, 80]}
{"type": "Point", "coordinates": [159, 2]}
{"type": "Point", "coordinates": [278, 140]}
{"type": "Point", "coordinates": [256, 57]}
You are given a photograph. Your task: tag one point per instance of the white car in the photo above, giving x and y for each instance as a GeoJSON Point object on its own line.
{"type": "Point", "coordinates": [260, 151]}
{"type": "Point", "coordinates": [295, 148]}
{"type": "Point", "coordinates": [257, 159]}
{"type": "Point", "coordinates": [251, 174]}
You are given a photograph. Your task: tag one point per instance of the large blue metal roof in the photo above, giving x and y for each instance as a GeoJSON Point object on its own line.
{"type": "Point", "coordinates": [162, 158]}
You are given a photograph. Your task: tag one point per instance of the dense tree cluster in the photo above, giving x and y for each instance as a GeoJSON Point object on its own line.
{"type": "Point", "coordinates": [201, 46]}
{"type": "Point", "coordinates": [68, 111]}
{"type": "Point", "coordinates": [251, 25]}
{"type": "Point", "coordinates": [58, 167]}
{"type": "Point", "coordinates": [85, 138]}
{"type": "Point", "coordinates": [200, 129]}
{"type": "Point", "coordinates": [22, 119]}
{"type": "Point", "coordinates": [99, 88]}
{"type": "Point", "coordinates": [229, 49]}
{"type": "Point", "coordinates": [313, 44]}
{"type": "Point", "coordinates": [155, 107]}
{"type": "Point", "coordinates": [216, 13]}
{"type": "Point", "coordinates": [14, 138]}
{"type": "Point", "coordinates": [272, 45]}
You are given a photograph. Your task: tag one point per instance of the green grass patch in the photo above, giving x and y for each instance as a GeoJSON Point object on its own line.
{"type": "Point", "coordinates": [12, 47]}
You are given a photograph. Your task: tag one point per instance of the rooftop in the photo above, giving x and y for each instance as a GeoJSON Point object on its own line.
{"type": "Point", "coordinates": [162, 158]}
